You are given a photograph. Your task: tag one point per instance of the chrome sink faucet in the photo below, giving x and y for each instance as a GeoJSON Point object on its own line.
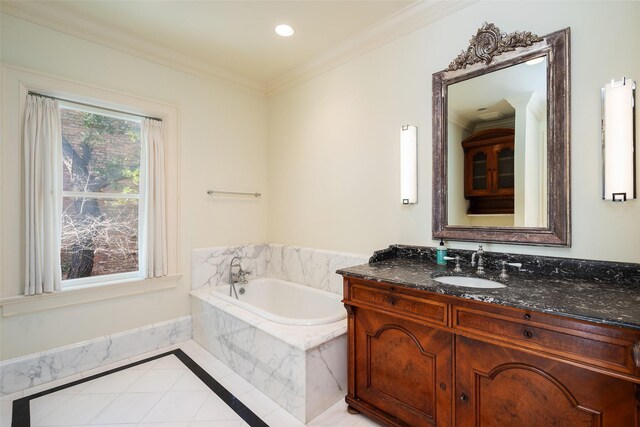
{"type": "Point", "coordinates": [479, 252]}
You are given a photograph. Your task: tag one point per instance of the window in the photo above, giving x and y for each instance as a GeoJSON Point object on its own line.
{"type": "Point", "coordinates": [33, 267]}
{"type": "Point", "coordinates": [102, 195]}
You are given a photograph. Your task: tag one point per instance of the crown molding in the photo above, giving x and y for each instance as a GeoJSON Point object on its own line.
{"type": "Point", "coordinates": [458, 119]}
{"type": "Point", "coordinates": [411, 18]}
{"type": "Point", "coordinates": [52, 17]}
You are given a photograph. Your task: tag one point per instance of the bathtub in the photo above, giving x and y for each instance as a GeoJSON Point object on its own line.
{"type": "Point", "coordinates": [285, 302]}
{"type": "Point", "coordinates": [287, 340]}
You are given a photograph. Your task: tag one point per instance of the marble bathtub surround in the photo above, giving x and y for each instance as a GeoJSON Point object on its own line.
{"type": "Point", "coordinates": [302, 368]}
{"type": "Point", "coordinates": [566, 268]}
{"type": "Point", "coordinates": [310, 267]}
{"type": "Point", "coordinates": [210, 266]}
{"type": "Point", "coordinates": [303, 338]}
{"type": "Point", "coordinates": [596, 291]}
{"type": "Point", "coordinates": [39, 368]}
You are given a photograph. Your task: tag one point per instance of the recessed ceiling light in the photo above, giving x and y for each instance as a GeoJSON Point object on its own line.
{"type": "Point", "coordinates": [491, 115]}
{"type": "Point", "coordinates": [284, 30]}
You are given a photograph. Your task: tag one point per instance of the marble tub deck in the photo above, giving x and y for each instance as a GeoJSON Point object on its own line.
{"type": "Point", "coordinates": [302, 368]}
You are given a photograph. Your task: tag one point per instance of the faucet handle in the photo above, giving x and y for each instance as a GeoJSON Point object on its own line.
{"type": "Point", "coordinates": [457, 269]}
{"type": "Point", "coordinates": [243, 276]}
{"type": "Point", "coordinates": [503, 273]}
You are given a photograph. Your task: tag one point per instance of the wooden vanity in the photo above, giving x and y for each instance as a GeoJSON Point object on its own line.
{"type": "Point", "coordinates": [420, 358]}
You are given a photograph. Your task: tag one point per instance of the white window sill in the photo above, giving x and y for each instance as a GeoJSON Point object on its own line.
{"type": "Point", "coordinates": [19, 305]}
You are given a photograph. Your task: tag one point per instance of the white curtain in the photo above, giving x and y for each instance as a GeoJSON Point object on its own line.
{"type": "Point", "coordinates": [155, 209]}
{"type": "Point", "coordinates": [43, 210]}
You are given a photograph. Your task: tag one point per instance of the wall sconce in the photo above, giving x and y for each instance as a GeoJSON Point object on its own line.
{"type": "Point", "coordinates": [618, 140]}
{"type": "Point", "coordinates": [408, 165]}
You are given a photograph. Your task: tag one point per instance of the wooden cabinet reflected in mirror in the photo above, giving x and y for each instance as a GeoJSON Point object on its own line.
{"type": "Point", "coordinates": [489, 172]}
{"type": "Point", "coordinates": [501, 140]}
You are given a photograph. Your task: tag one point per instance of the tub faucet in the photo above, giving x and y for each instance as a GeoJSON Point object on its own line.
{"type": "Point", "coordinates": [239, 276]}
{"type": "Point", "coordinates": [479, 252]}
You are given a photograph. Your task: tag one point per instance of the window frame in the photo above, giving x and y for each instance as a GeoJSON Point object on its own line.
{"type": "Point", "coordinates": [16, 83]}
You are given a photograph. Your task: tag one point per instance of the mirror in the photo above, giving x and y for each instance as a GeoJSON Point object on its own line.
{"type": "Point", "coordinates": [501, 140]}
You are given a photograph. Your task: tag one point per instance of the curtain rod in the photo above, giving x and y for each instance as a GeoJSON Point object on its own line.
{"type": "Point", "coordinates": [94, 106]}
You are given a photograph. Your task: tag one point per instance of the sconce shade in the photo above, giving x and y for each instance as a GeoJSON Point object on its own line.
{"type": "Point", "coordinates": [618, 140]}
{"type": "Point", "coordinates": [408, 165]}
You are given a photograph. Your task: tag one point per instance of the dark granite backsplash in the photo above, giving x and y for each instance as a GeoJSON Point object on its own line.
{"type": "Point", "coordinates": [566, 268]}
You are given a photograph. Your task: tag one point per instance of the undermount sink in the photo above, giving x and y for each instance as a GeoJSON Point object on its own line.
{"type": "Point", "coordinates": [469, 282]}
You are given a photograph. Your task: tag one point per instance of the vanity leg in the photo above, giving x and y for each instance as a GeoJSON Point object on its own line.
{"type": "Point", "coordinates": [352, 410]}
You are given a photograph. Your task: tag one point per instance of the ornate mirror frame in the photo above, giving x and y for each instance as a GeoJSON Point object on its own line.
{"type": "Point", "coordinates": [490, 50]}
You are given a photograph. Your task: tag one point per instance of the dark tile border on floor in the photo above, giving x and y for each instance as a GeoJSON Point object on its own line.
{"type": "Point", "coordinates": [21, 416]}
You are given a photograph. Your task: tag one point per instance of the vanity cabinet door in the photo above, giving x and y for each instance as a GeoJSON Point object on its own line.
{"type": "Point", "coordinates": [402, 370]}
{"type": "Point", "coordinates": [500, 387]}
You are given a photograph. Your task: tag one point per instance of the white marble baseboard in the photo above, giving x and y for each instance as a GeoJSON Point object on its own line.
{"type": "Point", "coordinates": [39, 368]}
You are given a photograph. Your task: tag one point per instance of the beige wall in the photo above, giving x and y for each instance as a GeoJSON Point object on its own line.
{"type": "Point", "coordinates": [222, 136]}
{"type": "Point", "coordinates": [332, 155]}
{"type": "Point", "coordinates": [333, 141]}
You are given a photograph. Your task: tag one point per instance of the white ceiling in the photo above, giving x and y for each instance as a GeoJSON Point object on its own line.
{"type": "Point", "coordinates": [490, 91]}
{"type": "Point", "coordinates": [234, 39]}
{"type": "Point", "coordinates": [238, 36]}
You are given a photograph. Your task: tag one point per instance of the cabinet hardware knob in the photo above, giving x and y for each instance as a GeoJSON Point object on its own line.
{"type": "Point", "coordinates": [464, 397]}
{"type": "Point", "coordinates": [526, 316]}
{"type": "Point", "coordinates": [393, 300]}
{"type": "Point", "coordinates": [527, 333]}
{"type": "Point", "coordinates": [443, 386]}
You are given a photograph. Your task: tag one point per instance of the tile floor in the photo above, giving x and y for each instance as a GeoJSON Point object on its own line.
{"type": "Point", "coordinates": [165, 393]}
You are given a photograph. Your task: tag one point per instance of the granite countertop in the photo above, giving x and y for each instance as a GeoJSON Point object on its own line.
{"type": "Point", "coordinates": [601, 296]}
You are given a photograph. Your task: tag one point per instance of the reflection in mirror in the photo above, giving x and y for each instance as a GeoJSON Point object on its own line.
{"type": "Point", "coordinates": [497, 148]}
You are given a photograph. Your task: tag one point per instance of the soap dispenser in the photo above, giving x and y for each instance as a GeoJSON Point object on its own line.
{"type": "Point", "coordinates": [441, 252]}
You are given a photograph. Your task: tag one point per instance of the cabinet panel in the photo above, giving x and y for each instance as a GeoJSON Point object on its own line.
{"type": "Point", "coordinates": [403, 369]}
{"type": "Point", "coordinates": [592, 344]}
{"type": "Point", "coordinates": [505, 169]}
{"type": "Point", "coordinates": [479, 178]}
{"type": "Point", "coordinates": [499, 387]}
{"type": "Point", "coordinates": [432, 311]}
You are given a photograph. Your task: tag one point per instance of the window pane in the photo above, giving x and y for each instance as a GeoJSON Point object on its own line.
{"type": "Point", "coordinates": [100, 153]}
{"type": "Point", "coordinates": [99, 237]}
